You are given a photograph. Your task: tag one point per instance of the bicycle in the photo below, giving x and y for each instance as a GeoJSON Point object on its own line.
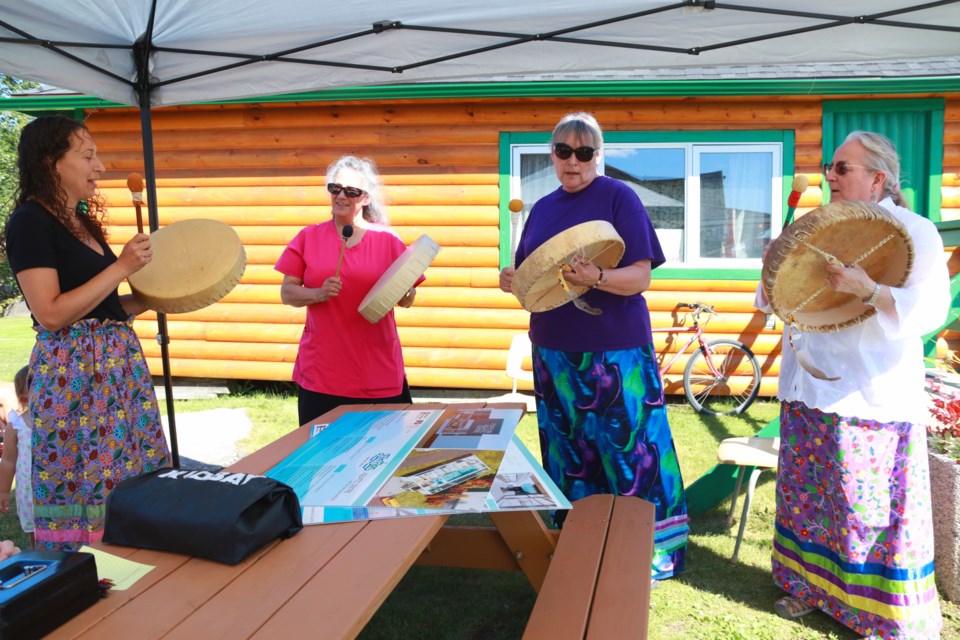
{"type": "Point", "coordinates": [720, 373]}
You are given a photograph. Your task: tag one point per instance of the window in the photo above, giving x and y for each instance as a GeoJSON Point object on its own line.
{"type": "Point", "coordinates": [715, 203]}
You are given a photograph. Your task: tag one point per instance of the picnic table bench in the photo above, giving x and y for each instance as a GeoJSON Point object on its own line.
{"type": "Point", "coordinates": [598, 583]}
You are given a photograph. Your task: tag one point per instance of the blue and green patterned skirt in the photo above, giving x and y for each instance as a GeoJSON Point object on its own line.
{"type": "Point", "coordinates": [95, 423]}
{"type": "Point", "coordinates": [603, 429]}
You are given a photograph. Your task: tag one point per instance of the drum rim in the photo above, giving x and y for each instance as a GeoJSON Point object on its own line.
{"type": "Point", "coordinates": [811, 223]}
{"type": "Point", "coordinates": [215, 291]}
{"type": "Point", "coordinates": [430, 249]}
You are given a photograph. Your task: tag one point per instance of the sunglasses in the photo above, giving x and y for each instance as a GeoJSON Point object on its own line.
{"type": "Point", "coordinates": [842, 168]}
{"type": "Point", "coordinates": [564, 151]}
{"type": "Point", "coordinates": [350, 192]}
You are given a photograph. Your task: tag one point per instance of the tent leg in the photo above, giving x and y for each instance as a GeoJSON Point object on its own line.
{"type": "Point", "coordinates": [164, 339]}
{"type": "Point", "coordinates": [150, 178]}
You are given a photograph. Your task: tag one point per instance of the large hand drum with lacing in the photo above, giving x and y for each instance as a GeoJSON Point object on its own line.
{"type": "Point", "coordinates": [847, 232]}
{"type": "Point", "coordinates": [195, 263]}
{"type": "Point", "coordinates": [538, 283]}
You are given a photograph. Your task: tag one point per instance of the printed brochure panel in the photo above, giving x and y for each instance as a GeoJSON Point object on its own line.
{"type": "Point", "coordinates": [388, 464]}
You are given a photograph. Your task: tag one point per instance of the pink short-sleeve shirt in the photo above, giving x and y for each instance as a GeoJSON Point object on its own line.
{"type": "Point", "coordinates": [341, 353]}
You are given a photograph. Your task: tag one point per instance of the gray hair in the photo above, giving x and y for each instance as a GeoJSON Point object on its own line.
{"type": "Point", "coordinates": [881, 156]}
{"type": "Point", "coordinates": [583, 126]}
{"type": "Point", "coordinates": [375, 211]}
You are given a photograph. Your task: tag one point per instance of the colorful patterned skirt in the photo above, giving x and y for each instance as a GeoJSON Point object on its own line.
{"type": "Point", "coordinates": [603, 429]}
{"type": "Point", "coordinates": [854, 531]}
{"type": "Point", "coordinates": [95, 423]}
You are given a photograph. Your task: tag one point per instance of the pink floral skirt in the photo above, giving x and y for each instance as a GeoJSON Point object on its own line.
{"type": "Point", "coordinates": [95, 423]}
{"type": "Point", "coordinates": [854, 533]}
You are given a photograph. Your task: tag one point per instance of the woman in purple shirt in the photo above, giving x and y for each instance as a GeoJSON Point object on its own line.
{"type": "Point", "coordinates": [600, 405]}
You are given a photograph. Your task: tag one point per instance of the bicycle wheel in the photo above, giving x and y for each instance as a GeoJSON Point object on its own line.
{"type": "Point", "coordinates": [730, 386]}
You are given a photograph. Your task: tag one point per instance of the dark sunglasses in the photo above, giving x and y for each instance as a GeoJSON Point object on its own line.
{"type": "Point", "coordinates": [842, 168]}
{"type": "Point", "coordinates": [350, 192]}
{"type": "Point", "coordinates": [564, 151]}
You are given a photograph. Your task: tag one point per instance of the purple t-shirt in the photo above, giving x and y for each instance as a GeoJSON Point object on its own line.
{"type": "Point", "coordinates": [625, 321]}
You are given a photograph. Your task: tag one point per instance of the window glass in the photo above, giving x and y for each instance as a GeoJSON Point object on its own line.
{"type": "Point", "coordinates": [658, 175]}
{"type": "Point", "coordinates": [712, 204]}
{"type": "Point", "coordinates": [736, 203]}
{"type": "Point", "coordinates": [536, 179]}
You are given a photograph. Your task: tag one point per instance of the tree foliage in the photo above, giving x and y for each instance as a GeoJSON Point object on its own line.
{"type": "Point", "coordinates": [10, 124]}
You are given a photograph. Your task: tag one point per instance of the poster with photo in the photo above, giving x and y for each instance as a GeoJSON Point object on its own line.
{"type": "Point", "coordinates": [387, 464]}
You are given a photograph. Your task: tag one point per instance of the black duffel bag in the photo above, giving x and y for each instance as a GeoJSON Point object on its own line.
{"type": "Point", "coordinates": [220, 516]}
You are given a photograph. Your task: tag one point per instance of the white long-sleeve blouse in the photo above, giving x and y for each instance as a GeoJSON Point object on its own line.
{"type": "Point", "coordinates": [879, 361]}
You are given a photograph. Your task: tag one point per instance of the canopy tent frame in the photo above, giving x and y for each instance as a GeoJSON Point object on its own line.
{"type": "Point", "coordinates": [573, 25]}
{"type": "Point", "coordinates": [144, 48]}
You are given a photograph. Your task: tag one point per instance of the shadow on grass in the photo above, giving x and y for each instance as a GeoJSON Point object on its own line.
{"type": "Point", "coordinates": [750, 586]}
{"type": "Point", "coordinates": [719, 426]}
{"type": "Point", "coordinates": [454, 604]}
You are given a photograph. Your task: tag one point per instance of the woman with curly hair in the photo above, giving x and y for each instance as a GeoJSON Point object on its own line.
{"type": "Point", "coordinates": [93, 407]}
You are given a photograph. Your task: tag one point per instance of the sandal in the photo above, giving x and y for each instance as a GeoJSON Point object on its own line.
{"type": "Point", "coordinates": [792, 608]}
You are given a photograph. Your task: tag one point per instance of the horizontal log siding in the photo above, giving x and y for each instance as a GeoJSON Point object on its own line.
{"type": "Point", "coordinates": [261, 170]}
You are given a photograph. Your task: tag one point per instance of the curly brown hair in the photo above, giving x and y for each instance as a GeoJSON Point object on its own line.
{"type": "Point", "coordinates": [43, 143]}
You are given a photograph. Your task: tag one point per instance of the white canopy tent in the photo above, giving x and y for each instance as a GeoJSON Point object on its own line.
{"type": "Point", "coordinates": [163, 52]}
{"type": "Point", "coordinates": [180, 51]}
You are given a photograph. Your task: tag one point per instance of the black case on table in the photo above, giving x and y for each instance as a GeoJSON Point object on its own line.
{"type": "Point", "coordinates": [34, 604]}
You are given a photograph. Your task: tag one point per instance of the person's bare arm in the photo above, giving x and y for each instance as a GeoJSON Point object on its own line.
{"type": "Point", "coordinates": [55, 309]}
{"type": "Point", "coordinates": [293, 293]}
{"type": "Point", "coordinates": [7, 549]}
{"type": "Point", "coordinates": [131, 305]}
{"type": "Point", "coordinates": [407, 300]}
{"type": "Point", "coordinates": [625, 281]}
{"type": "Point", "coordinates": [8, 464]}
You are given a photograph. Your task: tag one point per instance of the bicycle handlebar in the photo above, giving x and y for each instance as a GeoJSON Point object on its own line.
{"type": "Point", "coordinates": [697, 307]}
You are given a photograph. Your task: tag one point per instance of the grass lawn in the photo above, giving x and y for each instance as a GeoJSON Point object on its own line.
{"type": "Point", "coordinates": [16, 343]}
{"type": "Point", "coordinates": [711, 600]}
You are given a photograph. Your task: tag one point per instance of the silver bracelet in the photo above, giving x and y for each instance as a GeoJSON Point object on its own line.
{"type": "Point", "coordinates": [872, 300]}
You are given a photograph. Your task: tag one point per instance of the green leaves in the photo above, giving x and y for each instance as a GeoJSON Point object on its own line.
{"type": "Point", "coordinates": [10, 124]}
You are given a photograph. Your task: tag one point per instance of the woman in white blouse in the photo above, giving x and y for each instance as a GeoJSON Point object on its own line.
{"type": "Point", "coordinates": [853, 525]}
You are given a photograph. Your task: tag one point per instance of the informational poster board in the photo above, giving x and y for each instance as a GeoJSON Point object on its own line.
{"type": "Point", "coordinates": [389, 464]}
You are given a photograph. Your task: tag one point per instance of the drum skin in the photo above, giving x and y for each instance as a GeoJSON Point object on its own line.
{"type": "Point", "coordinates": [195, 263]}
{"type": "Point", "coordinates": [398, 278]}
{"type": "Point", "coordinates": [536, 282]}
{"type": "Point", "coordinates": [794, 271]}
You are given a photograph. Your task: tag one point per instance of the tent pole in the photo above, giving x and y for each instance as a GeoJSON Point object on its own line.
{"type": "Point", "coordinates": [150, 178]}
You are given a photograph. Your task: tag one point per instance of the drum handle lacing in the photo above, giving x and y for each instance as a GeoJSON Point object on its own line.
{"type": "Point", "coordinates": [834, 260]}
{"type": "Point", "coordinates": [577, 302]}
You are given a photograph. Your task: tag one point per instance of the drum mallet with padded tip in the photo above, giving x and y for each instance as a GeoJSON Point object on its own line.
{"type": "Point", "coordinates": [346, 232]}
{"type": "Point", "coordinates": [135, 184]}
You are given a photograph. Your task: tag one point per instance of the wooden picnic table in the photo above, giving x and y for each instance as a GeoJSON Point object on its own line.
{"type": "Point", "coordinates": [326, 581]}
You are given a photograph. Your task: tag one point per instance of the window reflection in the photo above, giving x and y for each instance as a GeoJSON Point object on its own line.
{"type": "Point", "coordinates": [735, 204]}
{"type": "Point", "coordinates": [708, 202]}
{"type": "Point", "coordinates": [658, 176]}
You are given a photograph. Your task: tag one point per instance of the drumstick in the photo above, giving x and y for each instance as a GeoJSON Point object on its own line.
{"type": "Point", "coordinates": [135, 184]}
{"type": "Point", "coordinates": [516, 205]}
{"type": "Point", "coordinates": [346, 232]}
{"type": "Point", "coordinates": [799, 185]}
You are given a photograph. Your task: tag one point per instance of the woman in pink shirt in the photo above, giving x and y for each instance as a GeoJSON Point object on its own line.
{"type": "Point", "coordinates": [343, 358]}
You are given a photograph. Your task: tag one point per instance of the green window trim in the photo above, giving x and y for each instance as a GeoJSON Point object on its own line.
{"type": "Point", "coordinates": [784, 136]}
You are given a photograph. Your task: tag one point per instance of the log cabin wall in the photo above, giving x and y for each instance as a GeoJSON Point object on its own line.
{"type": "Point", "coordinates": [260, 168]}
